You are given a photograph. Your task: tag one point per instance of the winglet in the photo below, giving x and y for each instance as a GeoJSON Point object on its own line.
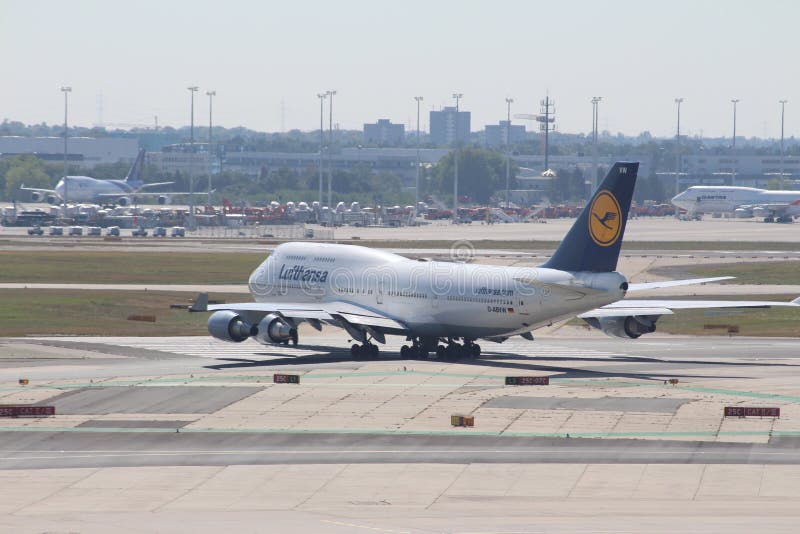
{"type": "Point", "coordinates": [796, 301]}
{"type": "Point", "coordinates": [200, 304]}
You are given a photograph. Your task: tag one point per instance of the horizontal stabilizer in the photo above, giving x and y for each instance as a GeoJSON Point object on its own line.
{"type": "Point", "coordinates": [674, 283]}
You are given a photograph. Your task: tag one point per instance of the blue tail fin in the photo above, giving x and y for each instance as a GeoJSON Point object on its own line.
{"type": "Point", "coordinates": [135, 173]}
{"type": "Point", "coordinates": [594, 241]}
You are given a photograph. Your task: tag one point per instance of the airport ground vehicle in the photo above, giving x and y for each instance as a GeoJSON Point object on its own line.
{"type": "Point", "coordinates": [159, 231]}
{"type": "Point", "coordinates": [36, 230]}
{"type": "Point", "coordinates": [93, 231]}
{"type": "Point", "coordinates": [178, 231]}
{"type": "Point", "coordinates": [75, 231]}
{"type": "Point", "coordinates": [112, 231]}
{"type": "Point", "coordinates": [139, 232]}
{"type": "Point", "coordinates": [56, 230]}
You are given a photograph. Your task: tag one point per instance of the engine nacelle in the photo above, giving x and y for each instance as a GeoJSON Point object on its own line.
{"type": "Point", "coordinates": [36, 196]}
{"type": "Point", "coordinates": [742, 213]}
{"type": "Point", "coordinates": [273, 329]}
{"type": "Point", "coordinates": [228, 325]}
{"type": "Point", "coordinates": [124, 201]}
{"type": "Point", "coordinates": [52, 200]}
{"type": "Point", "coordinates": [631, 326]}
{"type": "Point", "coordinates": [163, 200]}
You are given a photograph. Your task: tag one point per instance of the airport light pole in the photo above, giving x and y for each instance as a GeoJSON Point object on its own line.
{"type": "Point", "coordinates": [416, 185]}
{"type": "Point", "coordinates": [509, 101]}
{"type": "Point", "coordinates": [678, 101]}
{"type": "Point", "coordinates": [193, 89]}
{"type": "Point", "coordinates": [322, 97]}
{"type": "Point", "coordinates": [734, 101]}
{"type": "Point", "coordinates": [783, 109]}
{"type": "Point", "coordinates": [331, 94]}
{"type": "Point", "coordinates": [458, 97]}
{"type": "Point", "coordinates": [595, 126]}
{"type": "Point", "coordinates": [66, 90]}
{"type": "Point", "coordinates": [211, 95]}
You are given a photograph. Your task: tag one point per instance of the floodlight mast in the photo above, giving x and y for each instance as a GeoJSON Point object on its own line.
{"type": "Point", "coordinates": [192, 90]}
{"type": "Point", "coordinates": [66, 90]}
{"type": "Point", "coordinates": [509, 101]}
{"type": "Point", "coordinates": [458, 97]}
{"type": "Point", "coordinates": [419, 99]}
{"type": "Point", "coordinates": [211, 95]}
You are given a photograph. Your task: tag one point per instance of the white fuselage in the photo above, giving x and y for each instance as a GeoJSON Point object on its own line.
{"type": "Point", "coordinates": [431, 298]}
{"type": "Point", "coordinates": [87, 189]}
{"type": "Point", "coordinates": [711, 199]}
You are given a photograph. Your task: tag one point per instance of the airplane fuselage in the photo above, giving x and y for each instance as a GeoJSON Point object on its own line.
{"type": "Point", "coordinates": [87, 189]}
{"type": "Point", "coordinates": [712, 199]}
{"type": "Point", "coordinates": [432, 298]}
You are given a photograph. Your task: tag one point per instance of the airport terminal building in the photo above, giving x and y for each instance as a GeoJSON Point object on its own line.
{"type": "Point", "coordinates": [85, 152]}
{"type": "Point", "coordinates": [733, 169]}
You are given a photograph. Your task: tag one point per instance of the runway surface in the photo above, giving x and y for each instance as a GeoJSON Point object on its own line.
{"type": "Point", "coordinates": [167, 447]}
{"type": "Point", "coordinates": [188, 433]}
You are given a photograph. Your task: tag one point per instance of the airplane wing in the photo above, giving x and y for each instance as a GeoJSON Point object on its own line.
{"type": "Point", "coordinates": [38, 190]}
{"type": "Point", "coordinates": [357, 320]}
{"type": "Point", "coordinates": [777, 208]}
{"type": "Point", "coordinates": [627, 308]}
{"type": "Point", "coordinates": [141, 194]}
{"type": "Point", "coordinates": [673, 283]}
{"type": "Point", "coordinates": [154, 184]}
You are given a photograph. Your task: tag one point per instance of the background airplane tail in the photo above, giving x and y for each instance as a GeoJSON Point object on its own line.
{"type": "Point", "coordinates": [594, 241]}
{"type": "Point", "coordinates": [135, 173]}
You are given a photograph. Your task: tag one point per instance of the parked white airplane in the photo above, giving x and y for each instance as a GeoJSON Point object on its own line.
{"type": "Point", "coordinates": [446, 307]}
{"type": "Point", "coordinates": [79, 189]}
{"type": "Point", "coordinates": [744, 202]}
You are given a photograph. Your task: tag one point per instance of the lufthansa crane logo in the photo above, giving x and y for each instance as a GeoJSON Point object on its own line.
{"type": "Point", "coordinates": [605, 219]}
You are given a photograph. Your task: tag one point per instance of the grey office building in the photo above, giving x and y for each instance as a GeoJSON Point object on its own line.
{"type": "Point", "coordinates": [449, 126]}
{"type": "Point", "coordinates": [496, 134]}
{"type": "Point", "coordinates": [384, 133]}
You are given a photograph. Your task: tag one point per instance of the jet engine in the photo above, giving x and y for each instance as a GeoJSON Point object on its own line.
{"type": "Point", "coordinates": [631, 326]}
{"type": "Point", "coordinates": [36, 196]}
{"type": "Point", "coordinates": [228, 325]}
{"type": "Point", "coordinates": [273, 329]}
{"type": "Point", "coordinates": [52, 200]}
{"type": "Point", "coordinates": [743, 213]}
{"type": "Point", "coordinates": [163, 200]}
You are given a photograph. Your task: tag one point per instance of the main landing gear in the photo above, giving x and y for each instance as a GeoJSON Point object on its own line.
{"type": "Point", "coordinates": [452, 350]}
{"type": "Point", "coordinates": [367, 350]}
{"type": "Point", "coordinates": [293, 338]}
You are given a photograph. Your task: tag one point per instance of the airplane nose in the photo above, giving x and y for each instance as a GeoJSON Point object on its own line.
{"type": "Point", "coordinates": [680, 201]}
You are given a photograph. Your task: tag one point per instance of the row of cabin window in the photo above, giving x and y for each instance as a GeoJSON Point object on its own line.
{"type": "Point", "coordinates": [480, 300]}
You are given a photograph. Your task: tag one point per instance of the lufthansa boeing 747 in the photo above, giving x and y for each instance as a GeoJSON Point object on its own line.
{"type": "Point", "coordinates": [446, 307]}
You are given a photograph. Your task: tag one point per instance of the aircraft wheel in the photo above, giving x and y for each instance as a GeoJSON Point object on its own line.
{"type": "Point", "coordinates": [476, 350]}
{"type": "Point", "coordinates": [441, 351]}
{"type": "Point", "coordinates": [453, 352]}
{"type": "Point", "coordinates": [404, 351]}
{"type": "Point", "coordinates": [355, 351]}
{"type": "Point", "coordinates": [373, 350]}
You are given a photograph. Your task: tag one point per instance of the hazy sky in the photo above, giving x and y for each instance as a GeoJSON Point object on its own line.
{"type": "Point", "coordinates": [639, 55]}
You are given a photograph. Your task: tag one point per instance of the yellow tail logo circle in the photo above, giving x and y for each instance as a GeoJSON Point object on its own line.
{"type": "Point", "coordinates": [605, 219]}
